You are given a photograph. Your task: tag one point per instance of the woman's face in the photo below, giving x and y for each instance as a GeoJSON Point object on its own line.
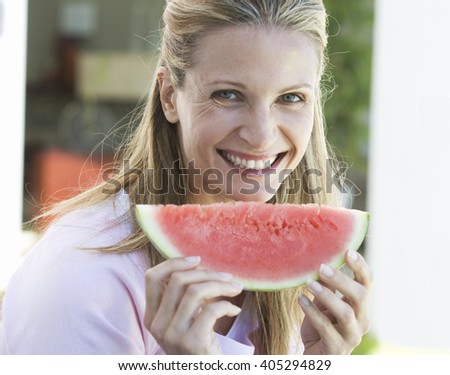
{"type": "Point", "coordinates": [245, 111]}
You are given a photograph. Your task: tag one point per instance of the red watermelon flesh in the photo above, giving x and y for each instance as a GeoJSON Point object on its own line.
{"type": "Point", "coordinates": [265, 246]}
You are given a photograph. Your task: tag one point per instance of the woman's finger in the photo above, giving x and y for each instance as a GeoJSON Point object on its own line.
{"type": "Point", "coordinates": [211, 312]}
{"type": "Point", "coordinates": [156, 278]}
{"type": "Point", "coordinates": [355, 293]}
{"type": "Point", "coordinates": [319, 305]}
{"type": "Point", "coordinates": [343, 313]}
{"type": "Point", "coordinates": [331, 338]}
{"type": "Point", "coordinates": [187, 290]}
{"type": "Point", "coordinates": [360, 268]}
{"type": "Point", "coordinates": [196, 298]}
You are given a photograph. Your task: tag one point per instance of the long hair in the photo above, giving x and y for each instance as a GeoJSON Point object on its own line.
{"type": "Point", "coordinates": [154, 146]}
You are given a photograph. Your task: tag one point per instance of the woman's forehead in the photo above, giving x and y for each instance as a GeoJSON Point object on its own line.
{"type": "Point", "coordinates": [242, 54]}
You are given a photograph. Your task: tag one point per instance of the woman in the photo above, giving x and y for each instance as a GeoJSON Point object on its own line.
{"type": "Point", "coordinates": [237, 92]}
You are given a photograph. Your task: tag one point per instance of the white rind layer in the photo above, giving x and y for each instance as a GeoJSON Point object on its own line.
{"type": "Point", "coordinates": [147, 219]}
{"type": "Point", "coordinates": [360, 230]}
{"type": "Point", "coordinates": [145, 214]}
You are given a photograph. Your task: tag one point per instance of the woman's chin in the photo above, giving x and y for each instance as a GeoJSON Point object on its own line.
{"type": "Point", "coordinates": [253, 198]}
{"type": "Point", "coordinates": [229, 198]}
{"type": "Point", "coordinates": [250, 196]}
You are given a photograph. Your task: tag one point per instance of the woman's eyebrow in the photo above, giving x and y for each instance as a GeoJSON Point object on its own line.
{"type": "Point", "coordinates": [302, 85]}
{"type": "Point", "coordinates": [298, 86]}
{"type": "Point", "coordinates": [231, 83]}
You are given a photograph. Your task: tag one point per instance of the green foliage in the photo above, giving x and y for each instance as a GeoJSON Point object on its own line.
{"type": "Point", "coordinates": [350, 57]}
{"type": "Point", "coordinates": [367, 346]}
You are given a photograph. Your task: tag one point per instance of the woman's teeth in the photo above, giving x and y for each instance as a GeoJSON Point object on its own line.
{"type": "Point", "coordinates": [249, 164]}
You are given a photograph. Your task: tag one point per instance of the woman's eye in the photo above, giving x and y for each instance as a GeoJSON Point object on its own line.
{"type": "Point", "coordinates": [227, 95]}
{"type": "Point", "coordinates": [291, 98]}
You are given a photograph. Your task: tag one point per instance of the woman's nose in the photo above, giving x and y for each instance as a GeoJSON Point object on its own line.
{"type": "Point", "coordinates": [259, 129]}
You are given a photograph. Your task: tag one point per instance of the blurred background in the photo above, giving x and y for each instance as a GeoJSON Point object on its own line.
{"type": "Point", "coordinates": [74, 73]}
{"type": "Point", "coordinates": [88, 65]}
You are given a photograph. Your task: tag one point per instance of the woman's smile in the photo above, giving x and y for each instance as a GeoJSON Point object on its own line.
{"type": "Point", "coordinates": [255, 165]}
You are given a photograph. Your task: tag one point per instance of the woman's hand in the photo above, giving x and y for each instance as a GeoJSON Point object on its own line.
{"type": "Point", "coordinates": [183, 304]}
{"type": "Point", "coordinates": [335, 325]}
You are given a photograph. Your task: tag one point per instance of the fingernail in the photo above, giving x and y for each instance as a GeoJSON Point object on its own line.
{"type": "Point", "coordinates": [225, 275]}
{"type": "Point", "coordinates": [195, 259]}
{"type": "Point", "coordinates": [304, 301]}
{"type": "Point", "coordinates": [352, 255]}
{"type": "Point", "coordinates": [237, 285]}
{"type": "Point", "coordinates": [326, 270]}
{"type": "Point", "coordinates": [314, 287]}
{"type": "Point", "coordinates": [237, 310]}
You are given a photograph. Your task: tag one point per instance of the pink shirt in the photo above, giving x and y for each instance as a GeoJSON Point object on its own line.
{"type": "Point", "coordinates": [67, 300]}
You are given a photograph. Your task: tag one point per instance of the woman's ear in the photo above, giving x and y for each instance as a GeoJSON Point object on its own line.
{"type": "Point", "coordinates": [167, 95]}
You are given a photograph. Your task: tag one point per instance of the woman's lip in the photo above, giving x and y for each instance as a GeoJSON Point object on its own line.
{"type": "Point", "coordinates": [245, 156]}
{"type": "Point", "coordinates": [256, 172]}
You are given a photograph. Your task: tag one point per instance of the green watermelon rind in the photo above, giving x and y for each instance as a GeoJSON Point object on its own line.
{"type": "Point", "coordinates": [146, 216]}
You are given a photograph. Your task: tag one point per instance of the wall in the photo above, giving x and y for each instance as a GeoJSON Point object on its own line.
{"type": "Point", "coordinates": [409, 154]}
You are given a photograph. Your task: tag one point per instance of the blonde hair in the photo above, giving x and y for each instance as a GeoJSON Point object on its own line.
{"type": "Point", "coordinates": [154, 146]}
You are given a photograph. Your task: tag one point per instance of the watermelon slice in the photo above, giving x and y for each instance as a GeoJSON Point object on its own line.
{"type": "Point", "coordinates": [265, 246]}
